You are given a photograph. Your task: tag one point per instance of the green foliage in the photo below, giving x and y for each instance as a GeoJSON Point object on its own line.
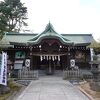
{"type": "Point", "coordinates": [94, 57]}
{"type": "Point", "coordinates": [97, 50]}
{"type": "Point", "coordinates": [13, 88]}
{"type": "Point", "coordinates": [96, 46]}
{"type": "Point", "coordinates": [12, 16]}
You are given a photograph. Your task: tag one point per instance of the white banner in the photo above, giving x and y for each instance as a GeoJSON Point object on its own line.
{"type": "Point", "coordinates": [72, 62]}
{"type": "Point", "coordinates": [91, 53]}
{"type": "Point", "coordinates": [3, 69]}
{"type": "Point", "coordinates": [27, 62]}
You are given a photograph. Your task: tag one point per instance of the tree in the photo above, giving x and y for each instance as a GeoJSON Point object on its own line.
{"type": "Point", "coordinates": [96, 46]}
{"type": "Point", "coordinates": [12, 16]}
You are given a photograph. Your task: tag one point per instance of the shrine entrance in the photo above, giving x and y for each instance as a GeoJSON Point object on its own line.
{"type": "Point", "coordinates": [50, 64]}
{"type": "Point", "coordinates": [50, 58]}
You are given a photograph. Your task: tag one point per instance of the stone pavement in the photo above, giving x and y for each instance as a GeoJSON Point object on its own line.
{"type": "Point", "coordinates": [51, 88]}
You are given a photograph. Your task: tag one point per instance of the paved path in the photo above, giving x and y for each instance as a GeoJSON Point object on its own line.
{"type": "Point", "coordinates": [51, 88]}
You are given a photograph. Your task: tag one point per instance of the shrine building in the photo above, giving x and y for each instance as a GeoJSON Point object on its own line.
{"type": "Point", "coordinates": [48, 51]}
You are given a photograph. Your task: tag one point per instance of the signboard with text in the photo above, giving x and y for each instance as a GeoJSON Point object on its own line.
{"type": "Point", "coordinates": [3, 68]}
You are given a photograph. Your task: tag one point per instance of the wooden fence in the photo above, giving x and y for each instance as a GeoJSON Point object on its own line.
{"type": "Point", "coordinates": [70, 74]}
{"type": "Point", "coordinates": [76, 74]}
{"type": "Point", "coordinates": [67, 74]}
{"type": "Point", "coordinates": [27, 74]}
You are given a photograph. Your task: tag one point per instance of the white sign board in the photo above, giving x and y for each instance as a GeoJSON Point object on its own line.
{"type": "Point", "coordinates": [18, 64]}
{"type": "Point", "coordinates": [3, 69]}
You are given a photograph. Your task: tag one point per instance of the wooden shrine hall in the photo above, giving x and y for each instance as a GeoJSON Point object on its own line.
{"type": "Point", "coordinates": [48, 51]}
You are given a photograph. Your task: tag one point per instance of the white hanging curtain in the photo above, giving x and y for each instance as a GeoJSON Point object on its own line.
{"type": "Point", "coordinates": [53, 58]}
{"type": "Point", "coordinates": [47, 57]}
{"type": "Point", "coordinates": [41, 58]}
{"type": "Point", "coordinates": [58, 58]}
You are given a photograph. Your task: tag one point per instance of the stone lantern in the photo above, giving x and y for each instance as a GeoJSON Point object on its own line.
{"type": "Point", "coordinates": [95, 69]}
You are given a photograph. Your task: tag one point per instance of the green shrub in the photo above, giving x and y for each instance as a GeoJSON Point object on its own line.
{"type": "Point", "coordinates": [13, 88]}
{"type": "Point", "coordinates": [94, 57]}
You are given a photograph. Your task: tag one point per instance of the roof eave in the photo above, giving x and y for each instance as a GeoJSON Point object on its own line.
{"type": "Point", "coordinates": [50, 37]}
{"type": "Point", "coordinates": [17, 43]}
{"type": "Point", "coordinates": [82, 44]}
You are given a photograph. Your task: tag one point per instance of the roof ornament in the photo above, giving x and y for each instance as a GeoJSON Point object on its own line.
{"type": "Point", "coordinates": [49, 28]}
{"type": "Point", "coordinates": [49, 21]}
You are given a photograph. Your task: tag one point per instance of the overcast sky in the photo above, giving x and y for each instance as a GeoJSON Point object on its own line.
{"type": "Point", "coordinates": [67, 16]}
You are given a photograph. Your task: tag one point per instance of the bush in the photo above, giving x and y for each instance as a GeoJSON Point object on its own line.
{"type": "Point", "coordinates": [13, 87]}
{"type": "Point", "coordinates": [94, 57]}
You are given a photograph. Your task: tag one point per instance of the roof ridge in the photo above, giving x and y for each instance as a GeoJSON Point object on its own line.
{"type": "Point", "coordinates": [77, 34]}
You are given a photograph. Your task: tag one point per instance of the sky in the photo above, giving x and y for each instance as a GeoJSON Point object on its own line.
{"type": "Point", "coordinates": [67, 16]}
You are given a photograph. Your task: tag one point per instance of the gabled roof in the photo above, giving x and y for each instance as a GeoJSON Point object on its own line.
{"type": "Point", "coordinates": [48, 33]}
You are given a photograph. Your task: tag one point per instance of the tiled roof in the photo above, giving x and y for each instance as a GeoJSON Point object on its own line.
{"type": "Point", "coordinates": [49, 32]}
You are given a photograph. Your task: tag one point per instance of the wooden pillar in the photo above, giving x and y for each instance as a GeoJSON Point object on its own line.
{"type": "Point", "coordinates": [68, 58]}
{"type": "Point", "coordinates": [85, 51]}
{"type": "Point", "coordinates": [35, 62]}
{"type": "Point", "coordinates": [64, 61]}
{"type": "Point", "coordinates": [31, 59]}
